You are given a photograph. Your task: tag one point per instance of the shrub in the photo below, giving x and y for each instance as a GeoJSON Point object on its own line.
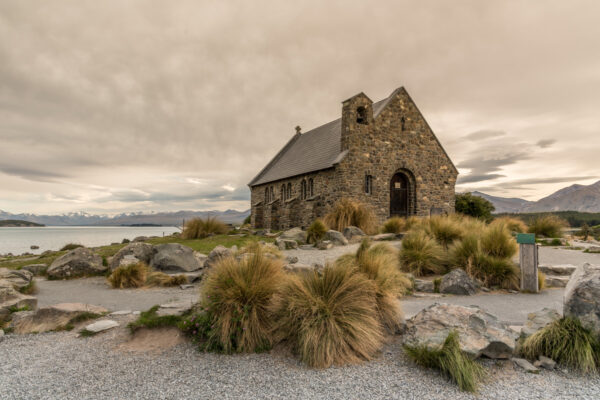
{"type": "Point", "coordinates": [474, 206]}
{"type": "Point", "coordinates": [464, 252]}
{"type": "Point", "coordinates": [468, 224]}
{"type": "Point", "coordinates": [380, 264]}
{"type": "Point", "coordinates": [512, 224]}
{"type": "Point", "coordinates": [413, 222]}
{"type": "Point", "coordinates": [316, 231]}
{"type": "Point", "coordinates": [347, 212]}
{"type": "Point", "coordinates": [421, 255]}
{"type": "Point", "coordinates": [157, 278]}
{"type": "Point", "coordinates": [445, 230]}
{"type": "Point", "coordinates": [548, 226]}
{"type": "Point", "coordinates": [125, 241]}
{"type": "Point", "coordinates": [494, 271]}
{"type": "Point", "coordinates": [199, 228]}
{"type": "Point", "coordinates": [70, 246]}
{"type": "Point", "coordinates": [567, 342]}
{"type": "Point", "coordinates": [129, 276]}
{"type": "Point", "coordinates": [330, 318]}
{"type": "Point", "coordinates": [451, 361]}
{"type": "Point", "coordinates": [248, 220]}
{"type": "Point", "coordinates": [497, 241]}
{"type": "Point", "coordinates": [393, 225]}
{"type": "Point", "coordinates": [236, 295]}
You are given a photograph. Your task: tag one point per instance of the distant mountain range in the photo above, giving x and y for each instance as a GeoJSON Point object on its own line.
{"type": "Point", "coordinates": [155, 218]}
{"type": "Point", "coordinates": [583, 198]}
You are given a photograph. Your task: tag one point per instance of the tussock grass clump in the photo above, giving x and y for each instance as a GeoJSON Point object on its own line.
{"type": "Point", "coordinates": [445, 230]}
{"type": "Point", "coordinates": [70, 246]}
{"type": "Point", "coordinates": [450, 361]}
{"type": "Point", "coordinates": [129, 276]}
{"type": "Point", "coordinates": [421, 255]}
{"type": "Point", "coordinates": [464, 252]}
{"type": "Point", "coordinates": [393, 225]}
{"type": "Point", "coordinates": [380, 264]}
{"type": "Point", "coordinates": [199, 228]}
{"type": "Point", "coordinates": [236, 294]}
{"type": "Point", "coordinates": [268, 249]}
{"type": "Point", "coordinates": [497, 241]}
{"type": "Point", "coordinates": [512, 224]}
{"type": "Point", "coordinates": [548, 226]}
{"type": "Point", "coordinates": [348, 212]}
{"type": "Point", "coordinates": [157, 278]}
{"type": "Point", "coordinates": [316, 231]}
{"type": "Point", "coordinates": [494, 271]}
{"type": "Point", "coordinates": [329, 318]}
{"type": "Point", "coordinates": [567, 342]}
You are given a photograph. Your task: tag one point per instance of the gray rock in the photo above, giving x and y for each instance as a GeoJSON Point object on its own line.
{"type": "Point", "coordinates": [424, 286]}
{"type": "Point", "coordinates": [354, 234]}
{"type": "Point", "coordinates": [101, 326]}
{"type": "Point", "coordinates": [384, 236]}
{"type": "Point", "coordinates": [121, 312]}
{"type": "Point", "coordinates": [324, 245]}
{"type": "Point", "coordinates": [286, 244]}
{"type": "Point", "coordinates": [140, 239]}
{"type": "Point", "coordinates": [218, 253]}
{"type": "Point", "coordinates": [35, 269]}
{"type": "Point", "coordinates": [78, 262]}
{"type": "Point", "coordinates": [292, 259]}
{"type": "Point", "coordinates": [34, 247]}
{"type": "Point", "coordinates": [480, 333]}
{"type": "Point", "coordinates": [186, 286]}
{"type": "Point", "coordinates": [593, 249]}
{"type": "Point", "coordinates": [556, 281]}
{"type": "Point", "coordinates": [526, 365]}
{"type": "Point", "coordinates": [560, 269]}
{"type": "Point", "coordinates": [10, 298]}
{"type": "Point", "coordinates": [307, 247]}
{"type": "Point", "coordinates": [537, 320]}
{"type": "Point", "coordinates": [18, 278]}
{"type": "Point", "coordinates": [296, 234]}
{"type": "Point", "coordinates": [51, 318]}
{"type": "Point", "coordinates": [174, 257]}
{"type": "Point", "coordinates": [133, 253]}
{"type": "Point", "coordinates": [545, 362]}
{"type": "Point", "coordinates": [336, 238]}
{"type": "Point", "coordinates": [582, 296]}
{"type": "Point", "coordinates": [458, 282]}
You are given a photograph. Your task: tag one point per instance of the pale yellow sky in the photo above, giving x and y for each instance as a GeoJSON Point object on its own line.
{"type": "Point", "coordinates": [119, 106]}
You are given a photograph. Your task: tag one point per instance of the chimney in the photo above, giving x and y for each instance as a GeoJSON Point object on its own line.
{"type": "Point", "coordinates": [298, 129]}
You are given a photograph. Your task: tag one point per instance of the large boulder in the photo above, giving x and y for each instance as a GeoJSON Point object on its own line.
{"type": "Point", "coordinates": [480, 333]}
{"type": "Point", "coordinates": [582, 296]}
{"type": "Point", "coordinates": [218, 253]}
{"type": "Point", "coordinates": [458, 282]}
{"type": "Point", "coordinates": [11, 300]}
{"type": "Point", "coordinates": [424, 286]}
{"type": "Point", "coordinates": [35, 269]}
{"type": "Point", "coordinates": [286, 244]}
{"type": "Point", "coordinates": [133, 253]}
{"type": "Point", "coordinates": [175, 257]}
{"type": "Point", "coordinates": [354, 234]}
{"type": "Point", "coordinates": [18, 278]}
{"type": "Point", "coordinates": [336, 238]}
{"type": "Point", "coordinates": [78, 262]}
{"type": "Point", "coordinates": [54, 317]}
{"type": "Point", "coordinates": [296, 234]}
{"type": "Point", "coordinates": [537, 320]}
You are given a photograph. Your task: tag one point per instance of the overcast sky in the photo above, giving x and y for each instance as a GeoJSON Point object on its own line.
{"type": "Point", "coordinates": [114, 106]}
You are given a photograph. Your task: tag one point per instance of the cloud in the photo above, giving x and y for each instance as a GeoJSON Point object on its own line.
{"type": "Point", "coordinates": [544, 143]}
{"type": "Point", "coordinates": [484, 134]}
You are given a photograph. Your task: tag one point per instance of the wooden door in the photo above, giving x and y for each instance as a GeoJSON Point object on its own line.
{"type": "Point", "coordinates": [399, 195]}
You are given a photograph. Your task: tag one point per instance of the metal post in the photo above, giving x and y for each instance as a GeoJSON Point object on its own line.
{"type": "Point", "coordinates": [528, 259]}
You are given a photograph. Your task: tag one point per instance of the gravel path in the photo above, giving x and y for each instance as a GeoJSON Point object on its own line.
{"type": "Point", "coordinates": [62, 366]}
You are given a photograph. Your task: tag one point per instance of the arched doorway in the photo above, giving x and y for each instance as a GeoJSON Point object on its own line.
{"type": "Point", "coordinates": [399, 195]}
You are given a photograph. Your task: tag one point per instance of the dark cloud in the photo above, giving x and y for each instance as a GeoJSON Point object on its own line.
{"type": "Point", "coordinates": [485, 134]}
{"type": "Point", "coordinates": [544, 143]}
{"type": "Point", "coordinates": [462, 179]}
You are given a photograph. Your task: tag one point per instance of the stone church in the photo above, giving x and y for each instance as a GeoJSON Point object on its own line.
{"type": "Point", "coordinates": [383, 154]}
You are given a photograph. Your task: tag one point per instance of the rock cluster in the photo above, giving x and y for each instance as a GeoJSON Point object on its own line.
{"type": "Point", "coordinates": [582, 296]}
{"type": "Point", "coordinates": [78, 262]}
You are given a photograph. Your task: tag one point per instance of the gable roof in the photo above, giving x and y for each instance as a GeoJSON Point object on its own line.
{"type": "Point", "coordinates": [312, 151]}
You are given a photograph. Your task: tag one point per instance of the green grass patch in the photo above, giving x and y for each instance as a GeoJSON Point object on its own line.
{"type": "Point", "coordinates": [149, 319]}
{"type": "Point", "coordinates": [15, 309]}
{"type": "Point", "coordinates": [206, 245]}
{"type": "Point", "coordinates": [86, 333]}
{"type": "Point", "coordinates": [451, 361]}
{"type": "Point", "coordinates": [31, 288]}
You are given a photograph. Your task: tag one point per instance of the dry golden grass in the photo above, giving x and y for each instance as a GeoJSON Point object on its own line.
{"type": "Point", "coordinates": [512, 224]}
{"type": "Point", "coordinates": [157, 278]}
{"type": "Point", "coordinates": [497, 241]}
{"type": "Point", "coordinates": [330, 318]}
{"type": "Point", "coordinates": [199, 228]}
{"type": "Point", "coordinates": [421, 255]}
{"type": "Point", "coordinates": [445, 229]}
{"type": "Point", "coordinates": [348, 212]}
{"type": "Point", "coordinates": [394, 225]}
{"type": "Point", "coordinates": [316, 231]}
{"type": "Point", "coordinates": [237, 294]}
{"type": "Point", "coordinates": [380, 264]}
{"type": "Point", "coordinates": [548, 225]}
{"type": "Point", "coordinates": [129, 276]}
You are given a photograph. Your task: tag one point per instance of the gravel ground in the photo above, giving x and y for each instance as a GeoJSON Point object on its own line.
{"type": "Point", "coordinates": [62, 366]}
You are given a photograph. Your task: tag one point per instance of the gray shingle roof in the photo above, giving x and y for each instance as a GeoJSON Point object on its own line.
{"type": "Point", "coordinates": [312, 151]}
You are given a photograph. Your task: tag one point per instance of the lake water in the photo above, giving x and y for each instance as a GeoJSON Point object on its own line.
{"type": "Point", "coordinates": [19, 240]}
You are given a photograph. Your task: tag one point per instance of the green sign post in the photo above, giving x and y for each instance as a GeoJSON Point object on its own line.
{"type": "Point", "coordinates": [528, 258]}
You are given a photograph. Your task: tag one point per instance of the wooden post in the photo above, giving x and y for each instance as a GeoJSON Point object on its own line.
{"type": "Point", "coordinates": [528, 259]}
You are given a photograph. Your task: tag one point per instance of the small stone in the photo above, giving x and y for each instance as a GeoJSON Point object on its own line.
{"type": "Point", "coordinates": [183, 287]}
{"type": "Point", "coordinates": [526, 365]}
{"type": "Point", "coordinates": [336, 238]}
{"type": "Point", "coordinates": [458, 282]}
{"type": "Point", "coordinates": [292, 259]}
{"type": "Point", "coordinates": [325, 245]}
{"type": "Point", "coordinates": [136, 313]}
{"type": "Point", "coordinates": [424, 286]}
{"type": "Point", "coordinates": [122, 312]}
{"type": "Point", "coordinates": [545, 362]}
{"type": "Point", "coordinates": [384, 236]}
{"type": "Point", "coordinates": [103, 325]}
{"type": "Point", "coordinates": [307, 247]}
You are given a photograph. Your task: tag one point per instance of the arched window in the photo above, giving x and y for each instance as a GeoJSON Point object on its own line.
{"type": "Point", "coordinates": [289, 190]}
{"type": "Point", "coordinates": [282, 194]}
{"type": "Point", "coordinates": [402, 122]}
{"type": "Point", "coordinates": [272, 194]}
{"type": "Point", "coordinates": [311, 191]}
{"type": "Point", "coordinates": [368, 184]}
{"type": "Point", "coordinates": [266, 195]}
{"type": "Point", "coordinates": [303, 190]}
{"type": "Point", "coordinates": [361, 115]}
